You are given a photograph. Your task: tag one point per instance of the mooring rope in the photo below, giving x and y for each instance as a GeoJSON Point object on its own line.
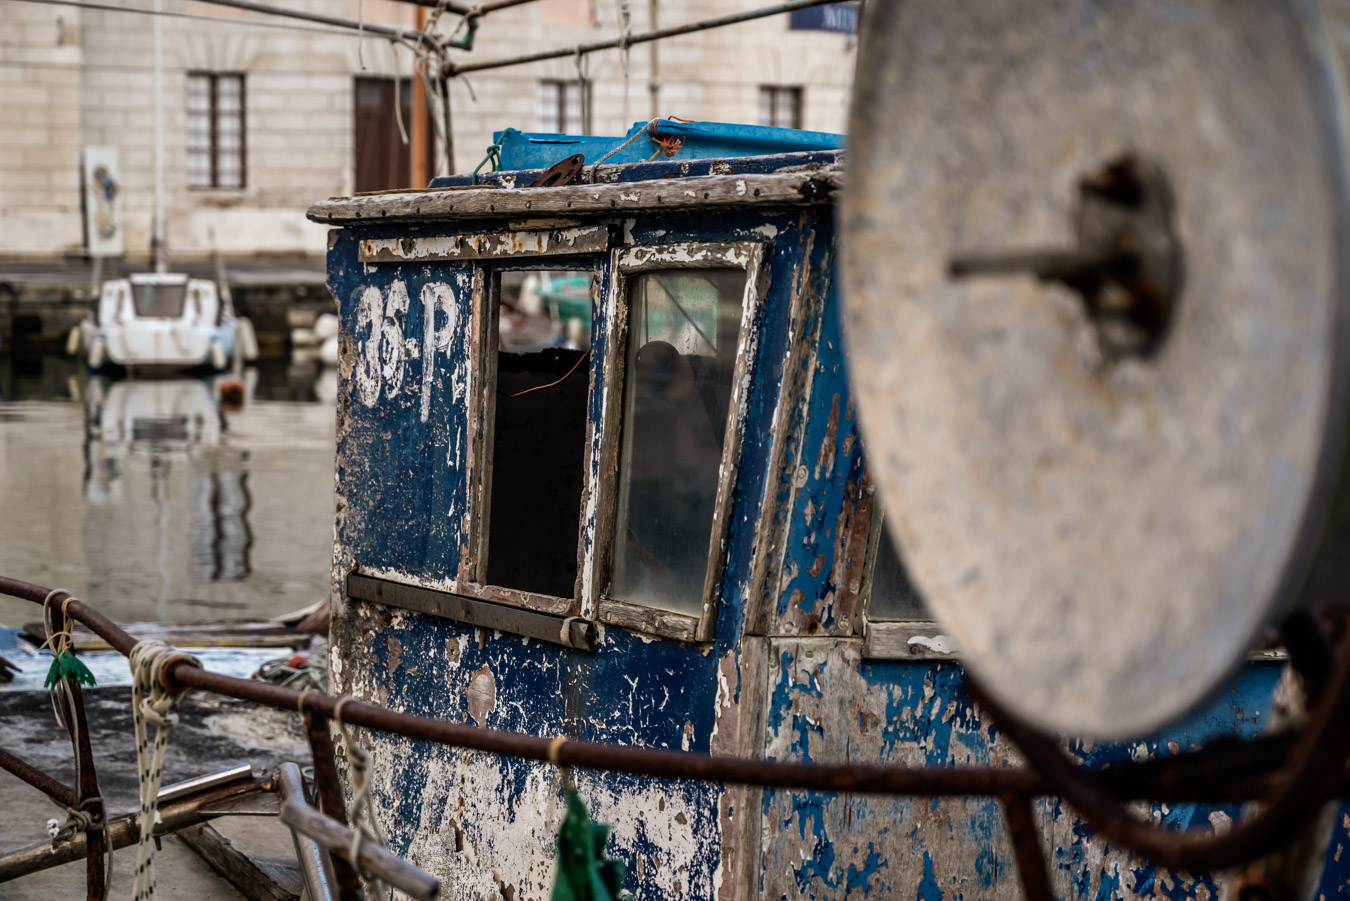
{"type": "Point", "coordinates": [151, 703]}
{"type": "Point", "coordinates": [359, 813]}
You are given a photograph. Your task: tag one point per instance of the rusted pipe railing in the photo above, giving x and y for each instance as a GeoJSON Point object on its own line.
{"type": "Point", "coordinates": [53, 788]}
{"type": "Point", "coordinates": [1316, 760]}
{"type": "Point", "coordinates": [125, 831]}
{"type": "Point", "coordinates": [329, 791]}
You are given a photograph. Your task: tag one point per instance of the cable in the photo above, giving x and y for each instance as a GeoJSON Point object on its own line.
{"type": "Point", "coordinates": [107, 7]}
{"type": "Point", "coordinates": [659, 34]}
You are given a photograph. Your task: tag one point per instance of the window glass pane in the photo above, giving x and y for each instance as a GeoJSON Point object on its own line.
{"type": "Point", "coordinates": [893, 596]}
{"type": "Point", "coordinates": [766, 106]}
{"type": "Point", "coordinates": [572, 118]}
{"type": "Point", "coordinates": [683, 329]}
{"type": "Point", "coordinates": [549, 106]}
{"type": "Point", "coordinates": [159, 301]}
{"type": "Point", "coordinates": [539, 433]}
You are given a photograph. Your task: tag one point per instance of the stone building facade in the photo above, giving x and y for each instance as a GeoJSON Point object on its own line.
{"type": "Point", "coordinates": [72, 78]}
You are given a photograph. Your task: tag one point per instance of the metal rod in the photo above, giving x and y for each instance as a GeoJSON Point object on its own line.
{"type": "Point", "coordinates": [463, 9]}
{"type": "Point", "coordinates": [56, 790]}
{"type": "Point", "coordinates": [315, 865]}
{"type": "Point", "coordinates": [96, 841]}
{"type": "Point", "coordinates": [1027, 849]}
{"type": "Point", "coordinates": [329, 790]}
{"type": "Point", "coordinates": [451, 69]}
{"type": "Point", "coordinates": [963, 781]}
{"type": "Point", "coordinates": [373, 858]}
{"type": "Point", "coordinates": [124, 830]}
{"type": "Point", "coordinates": [335, 21]}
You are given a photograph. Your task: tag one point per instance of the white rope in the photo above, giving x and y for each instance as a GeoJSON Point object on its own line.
{"type": "Point", "coordinates": [359, 813]}
{"type": "Point", "coordinates": [398, 90]}
{"type": "Point", "coordinates": [626, 31]}
{"type": "Point", "coordinates": [152, 704]}
{"type": "Point", "coordinates": [626, 144]}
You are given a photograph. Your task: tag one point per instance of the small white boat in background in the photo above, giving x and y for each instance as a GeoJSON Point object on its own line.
{"type": "Point", "coordinates": [164, 321]}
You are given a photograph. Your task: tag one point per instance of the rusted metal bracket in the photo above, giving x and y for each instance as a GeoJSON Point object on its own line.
{"type": "Point", "coordinates": [563, 172]}
{"type": "Point", "coordinates": [568, 631]}
{"type": "Point", "coordinates": [329, 790]}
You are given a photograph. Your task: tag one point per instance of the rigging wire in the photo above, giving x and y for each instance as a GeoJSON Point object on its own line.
{"type": "Point", "coordinates": [335, 31]}
{"type": "Point", "coordinates": [452, 70]}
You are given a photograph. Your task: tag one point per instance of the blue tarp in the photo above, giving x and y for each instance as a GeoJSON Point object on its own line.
{"type": "Point", "coordinates": [702, 140]}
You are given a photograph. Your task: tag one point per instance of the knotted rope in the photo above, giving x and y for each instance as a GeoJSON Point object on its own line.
{"type": "Point", "coordinates": [152, 704]}
{"type": "Point", "coordinates": [359, 813]}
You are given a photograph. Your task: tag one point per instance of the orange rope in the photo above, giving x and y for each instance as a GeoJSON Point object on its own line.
{"type": "Point", "coordinates": [557, 382]}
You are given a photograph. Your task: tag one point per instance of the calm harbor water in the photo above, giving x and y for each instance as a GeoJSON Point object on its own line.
{"type": "Point", "coordinates": [167, 499]}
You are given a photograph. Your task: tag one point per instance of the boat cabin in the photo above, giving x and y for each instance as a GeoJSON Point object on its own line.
{"type": "Point", "coordinates": [599, 475]}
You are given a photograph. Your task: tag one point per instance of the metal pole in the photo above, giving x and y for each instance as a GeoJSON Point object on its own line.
{"type": "Point", "coordinates": [654, 73]}
{"type": "Point", "coordinates": [58, 791]}
{"type": "Point", "coordinates": [452, 69]}
{"type": "Point", "coordinates": [314, 17]}
{"type": "Point", "coordinates": [157, 251]}
{"type": "Point", "coordinates": [373, 858]}
{"type": "Point", "coordinates": [329, 792]}
{"type": "Point", "coordinates": [315, 865]}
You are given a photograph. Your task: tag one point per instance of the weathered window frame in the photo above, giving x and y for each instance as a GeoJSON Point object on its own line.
{"type": "Point", "coordinates": [486, 301]}
{"type": "Point", "coordinates": [891, 639]}
{"type": "Point", "coordinates": [602, 496]}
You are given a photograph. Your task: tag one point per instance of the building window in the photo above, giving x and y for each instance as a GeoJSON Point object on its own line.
{"type": "Point", "coordinates": [383, 161]}
{"type": "Point", "coordinates": [563, 107]}
{"type": "Point", "coordinates": [780, 107]}
{"type": "Point", "coordinates": [215, 130]}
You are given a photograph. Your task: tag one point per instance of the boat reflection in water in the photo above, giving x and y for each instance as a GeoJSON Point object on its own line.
{"type": "Point", "coordinates": [176, 429]}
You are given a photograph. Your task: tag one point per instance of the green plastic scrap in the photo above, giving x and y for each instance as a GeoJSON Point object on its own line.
{"type": "Point", "coordinates": [583, 872]}
{"type": "Point", "coordinates": [65, 665]}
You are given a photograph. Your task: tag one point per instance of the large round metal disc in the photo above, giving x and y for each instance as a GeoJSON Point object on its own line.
{"type": "Point", "coordinates": [1105, 538]}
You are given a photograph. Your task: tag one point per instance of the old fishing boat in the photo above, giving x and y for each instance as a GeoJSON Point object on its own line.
{"type": "Point", "coordinates": [666, 536]}
{"type": "Point", "coordinates": [163, 321]}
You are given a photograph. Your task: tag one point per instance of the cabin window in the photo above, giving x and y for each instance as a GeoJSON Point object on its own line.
{"type": "Point", "coordinates": [537, 348]}
{"type": "Point", "coordinates": [159, 301]}
{"type": "Point", "coordinates": [890, 594]}
{"type": "Point", "coordinates": [679, 357]}
{"type": "Point", "coordinates": [682, 337]}
{"type": "Point", "coordinates": [215, 130]}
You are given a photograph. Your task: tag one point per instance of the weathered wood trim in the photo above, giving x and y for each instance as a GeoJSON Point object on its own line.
{"type": "Point", "coordinates": [481, 415]}
{"type": "Point", "coordinates": [491, 246]}
{"type": "Point", "coordinates": [606, 496]}
{"type": "Point", "coordinates": [648, 620]}
{"type": "Point", "coordinates": [793, 391]}
{"type": "Point", "coordinates": [569, 631]}
{"type": "Point", "coordinates": [854, 553]}
{"type": "Point", "coordinates": [747, 353]}
{"type": "Point", "coordinates": [255, 880]}
{"type": "Point", "coordinates": [907, 641]}
{"type": "Point", "coordinates": [498, 594]}
{"type": "Point", "coordinates": [741, 807]}
{"type": "Point", "coordinates": [702, 192]}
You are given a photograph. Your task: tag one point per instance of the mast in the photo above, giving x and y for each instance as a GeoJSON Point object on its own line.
{"type": "Point", "coordinates": [158, 258]}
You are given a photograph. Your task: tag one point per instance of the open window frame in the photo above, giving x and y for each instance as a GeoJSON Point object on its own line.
{"type": "Point", "coordinates": [472, 579]}
{"type": "Point", "coordinates": [604, 490]}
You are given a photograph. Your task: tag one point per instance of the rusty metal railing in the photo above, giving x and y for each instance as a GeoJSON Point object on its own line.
{"type": "Point", "coordinates": [1292, 776]}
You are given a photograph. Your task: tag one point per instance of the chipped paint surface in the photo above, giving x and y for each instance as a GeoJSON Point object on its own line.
{"type": "Point", "coordinates": [783, 673]}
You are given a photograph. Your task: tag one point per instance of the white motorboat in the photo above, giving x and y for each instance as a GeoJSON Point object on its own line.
{"type": "Point", "coordinates": [164, 321]}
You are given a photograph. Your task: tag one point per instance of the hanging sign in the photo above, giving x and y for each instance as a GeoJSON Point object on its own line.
{"type": "Point", "coordinates": [102, 202]}
{"type": "Point", "coordinates": [838, 17]}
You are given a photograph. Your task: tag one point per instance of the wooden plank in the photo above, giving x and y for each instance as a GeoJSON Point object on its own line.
{"type": "Point", "coordinates": [649, 620]}
{"type": "Point", "coordinates": [256, 880]}
{"type": "Point", "coordinates": [501, 617]}
{"type": "Point", "coordinates": [907, 641]}
{"type": "Point", "coordinates": [490, 246]}
{"type": "Point", "coordinates": [215, 634]}
{"type": "Point", "coordinates": [703, 192]}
